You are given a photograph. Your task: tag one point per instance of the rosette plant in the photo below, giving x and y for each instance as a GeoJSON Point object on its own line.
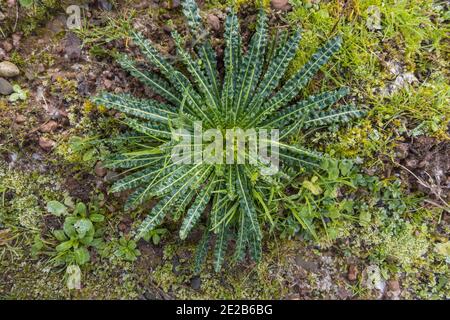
{"type": "Point", "coordinates": [250, 94]}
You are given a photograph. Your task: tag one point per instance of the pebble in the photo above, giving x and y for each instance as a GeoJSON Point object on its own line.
{"type": "Point", "coordinates": [104, 5]}
{"type": "Point", "coordinates": [20, 119]}
{"type": "Point", "coordinates": [57, 25]}
{"type": "Point", "coordinates": [16, 37]}
{"type": "Point", "coordinates": [99, 169]}
{"type": "Point", "coordinates": [352, 273]}
{"type": "Point", "coordinates": [72, 47]}
{"type": "Point", "coordinates": [167, 29]}
{"type": "Point", "coordinates": [393, 285]}
{"type": "Point", "coordinates": [46, 144]}
{"type": "Point", "coordinates": [8, 69]}
{"type": "Point", "coordinates": [305, 264]}
{"type": "Point", "coordinates": [401, 150]}
{"type": "Point", "coordinates": [49, 126]}
{"type": "Point", "coordinates": [196, 283]}
{"type": "Point", "coordinates": [7, 46]}
{"type": "Point", "coordinates": [5, 87]}
{"type": "Point", "coordinates": [174, 4]}
{"type": "Point", "coordinates": [108, 84]}
{"type": "Point", "coordinates": [280, 4]}
{"type": "Point", "coordinates": [214, 22]}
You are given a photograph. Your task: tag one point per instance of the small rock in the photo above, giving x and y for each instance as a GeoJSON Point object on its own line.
{"type": "Point", "coordinates": [73, 46]}
{"type": "Point", "coordinates": [352, 274]}
{"type": "Point", "coordinates": [104, 5]}
{"type": "Point", "coordinates": [148, 295]}
{"type": "Point", "coordinates": [2, 54]}
{"type": "Point", "coordinates": [16, 37]}
{"type": "Point", "coordinates": [393, 289]}
{"type": "Point", "coordinates": [142, 5]}
{"type": "Point", "coordinates": [165, 16]}
{"type": "Point", "coordinates": [8, 69]}
{"type": "Point", "coordinates": [122, 227]}
{"type": "Point", "coordinates": [401, 150]}
{"type": "Point", "coordinates": [196, 283]}
{"type": "Point", "coordinates": [174, 4]}
{"type": "Point", "coordinates": [393, 285]}
{"type": "Point", "coordinates": [125, 224]}
{"type": "Point", "coordinates": [7, 46]}
{"type": "Point", "coordinates": [49, 126]}
{"type": "Point", "coordinates": [40, 68]}
{"type": "Point", "coordinates": [5, 87]}
{"type": "Point", "coordinates": [167, 29]}
{"type": "Point", "coordinates": [280, 4]}
{"type": "Point", "coordinates": [46, 143]}
{"type": "Point", "coordinates": [412, 163]}
{"type": "Point", "coordinates": [57, 25]}
{"type": "Point", "coordinates": [307, 265]}
{"type": "Point", "coordinates": [344, 294]}
{"type": "Point", "coordinates": [108, 84]}
{"type": "Point", "coordinates": [20, 119]}
{"type": "Point", "coordinates": [214, 22]}
{"type": "Point", "coordinates": [100, 170]}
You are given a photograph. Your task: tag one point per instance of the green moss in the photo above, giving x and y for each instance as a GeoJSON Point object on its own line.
{"type": "Point", "coordinates": [37, 280]}
{"type": "Point", "coordinates": [28, 192]}
{"type": "Point", "coordinates": [244, 282]}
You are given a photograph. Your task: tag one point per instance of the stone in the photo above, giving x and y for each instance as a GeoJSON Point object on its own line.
{"type": "Point", "coordinates": [5, 87]}
{"type": "Point", "coordinates": [46, 144]}
{"type": "Point", "coordinates": [352, 273]}
{"type": "Point", "coordinates": [174, 4]}
{"type": "Point", "coordinates": [100, 170]}
{"type": "Point", "coordinates": [167, 29]}
{"type": "Point", "coordinates": [213, 22]}
{"type": "Point", "coordinates": [393, 285]}
{"type": "Point", "coordinates": [412, 163]}
{"type": "Point", "coordinates": [8, 69]}
{"type": "Point", "coordinates": [16, 37]}
{"type": "Point", "coordinates": [72, 47]}
{"type": "Point", "coordinates": [401, 150]}
{"type": "Point", "coordinates": [107, 83]}
{"type": "Point", "coordinates": [7, 46]}
{"type": "Point", "coordinates": [104, 5]}
{"type": "Point", "coordinates": [305, 264]}
{"type": "Point", "coordinates": [196, 283]}
{"type": "Point", "coordinates": [20, 119]}
{"type": "Point", "coordinates": [279, 4]}
{"type": "Point", "coordinates": [57, 25]}
{"type": "Point", "coordinates": [49, 126]}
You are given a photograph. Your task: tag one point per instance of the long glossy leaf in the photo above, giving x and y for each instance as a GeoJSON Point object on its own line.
{"type": "Point", "coordinates": [304, 107]}
{"type": "Point", "coordinates": [145, 109]}
{"type": "Point", "coordinates": [293, 86]}
{"type": "Point", "coordinates": [246, 202]}
{"type": "Point", "coordinates": [342, 114]}
{"type": "Point", "coordinates": [251, 67]}
{"type": "Point", "coordinates": [154, 82]}
{"type": "Point", "coordinates": [197, 208]}
{"type": "Point", "coordinates": [274, 73]}
{"type": "Point", "coordinates": [220, 248]}
{"type": "Point", "coordinates": [231, 62]}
